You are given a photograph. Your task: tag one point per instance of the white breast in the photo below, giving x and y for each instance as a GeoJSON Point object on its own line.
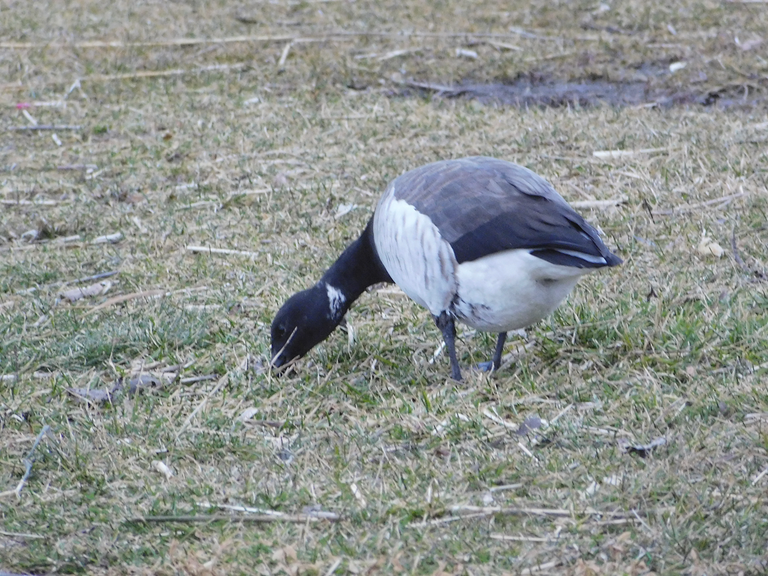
{"type": "Point", "coordinates": [413, 252]}
{"type": "Point", "coordinates": [510, 290]}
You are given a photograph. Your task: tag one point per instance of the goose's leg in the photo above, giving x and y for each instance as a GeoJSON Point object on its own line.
{"type": "Point", "coordinates": [495, 364]}
{"type": "Point", "coordinates": [499, 350]}
{"type": "Point", "coordinates": [448, 328]}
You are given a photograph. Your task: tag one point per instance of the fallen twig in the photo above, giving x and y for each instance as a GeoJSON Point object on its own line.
{"type": "Point", "coordinates": [495, 418]}
{"type": "Point", "coordinates": [505, 487]}
{"type": "Point", "coordinates": [562, 412]}
{"type": "Point", "coordinates": [45, 127]}
{"type": "Point", "coordinates": [262, 518]}
{"type": "Point", "coordinates": [284, 56]}
{"type": "Point", "coordinates": [441, 89]}
{"type": "Point", "coordinates": [125, 298]}
{"type": "Point", "coordinates": [616, 522]}
{"type": "Point", "coordinates": [209, 250]}
{"type": "Point", "coordinates": [29, 202]}
{"type": "Point", "coordinates": [108, 239]}
{"type": "Point", "coordinates": [602, 204]}
{"type": "Point", "coordinates": [737, 257]}
{"type": "Point", "coordinates": [94, 277]}
{"type": "Point", "coordinates": [608, 431]}
{"type": "Point", "coordinates": [68, 242]}
{"type": "Point", "coordinates": [503, 45]}
{"type": "Point", "coordinates": [541, 567]}
{"type": "Point", "coordinates": [337, 35]}
{"type": "Point", "coordinates": [510, 538]}
{"type": "Point", "coordinates": [243, 194]}
{"type": "Point", "coordinates": [493, 510]}
{"type": "Point", "coordinates": [21, 535]}
{"type": "Point", "coordinates": [65, 283]}
{"type": "Point", "coordinates": [67, 167]}
{"type": "Point", "coordinates": [445, 520]}
{"type": "Point", "coordinates": [325, 515]}
{"type": "Point", "coordinates": [735, 249]}
{"type": "Point", "coordinates": [607, 154]}
{"type": "Point", "coordinates": [194, 379]}
{"type": "Point", "coordinates": [332, 568]}
{"type": "Point", "coordinates": [163, 73]}
{"type": "Point", "coordinates": [466, 512]}
{"type": "Point", "coordinates": [759, 476]}
{"type": "Point", "coordinates": [688, 207]}
{"type": "Point", "coordinates": [28, 462]}
{"type": "Point", "coordinates": [200, 204]}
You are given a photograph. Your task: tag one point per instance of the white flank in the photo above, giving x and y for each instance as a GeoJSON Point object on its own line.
{"type": "Point", "coordinates": [414, 253]}
{"type": "Point", "coordinates": [511, 290]}
{"type": "Point", "coordinates": [497, 293]}
{"type": "Point", "coordinates": [335, 300]}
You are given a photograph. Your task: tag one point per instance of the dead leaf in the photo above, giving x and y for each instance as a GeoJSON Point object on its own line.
{"type": "Point", "coordinates": [140, 382]}
{"type": "Point", "coordinates": [132, 198]}
{"type": "Point", "coordinates": [108, 239]}
{"type": "Point", "coordinates": [247, 414]}
{"type": "Point", "coordinates": [708, 247]}
{"type": "Point", "coordinates": [287, 559]}
{"type": "Point", "coordinates": [591, 490]}
{"type": "Point", "coordinates": [465, 53]}
{"type": "Point", "coordinates": [588, 568]}
{"type": "Point", "coordinates": [135, 384]}
{"type": "Point", "coordinates": [618, 546]}
{"type": "Point", "coordinates": [75, 294]}
{"type": "Point", "coordinates": [641, 450]}
{"type": "Point", "coordinates": [441, 570]}
{"type": "Point", "coordinates": [163, 468]}
{"type": "Point", "coordinates": [357, 493]}
{"type": "Point", "coordinates": [92, 395]}
{"type": "Point", "coordinates": [280, 180]}
{"type": "Point", "coordinates": [751, 44]}
{"type": "Point", "coordinates": [529, 425]}
{"type": "Point", "coordinates": [396, 564]}
{"type": "Point", "coordinates": [343, 210]}
{"type": "Point", "coordinates": [675, 66]}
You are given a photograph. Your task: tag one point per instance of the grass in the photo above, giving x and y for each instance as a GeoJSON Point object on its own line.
{"type": "Point", "coordinates": [263, 158]}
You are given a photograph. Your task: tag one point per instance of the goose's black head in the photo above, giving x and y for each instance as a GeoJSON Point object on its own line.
{"type": "Point", "coordinates": [306, 319]}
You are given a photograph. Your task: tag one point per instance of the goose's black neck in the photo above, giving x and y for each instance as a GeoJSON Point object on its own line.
{"type": "Point", "coordinates": [358, 267]}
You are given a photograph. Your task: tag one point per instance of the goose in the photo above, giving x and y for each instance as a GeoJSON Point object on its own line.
{"type": "Point", "coordinates": [477, 240]}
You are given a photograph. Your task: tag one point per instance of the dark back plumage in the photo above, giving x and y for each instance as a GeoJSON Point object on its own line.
{"type": "Point", "coordinates": [484, 205]}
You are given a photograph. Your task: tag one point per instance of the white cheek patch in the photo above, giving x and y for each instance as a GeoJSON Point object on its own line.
{"type": "Point", "coordinates": [336, 300]}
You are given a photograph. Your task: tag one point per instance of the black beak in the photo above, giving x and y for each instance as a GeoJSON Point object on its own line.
{"type": "Point", "coordinates": [281, 364]}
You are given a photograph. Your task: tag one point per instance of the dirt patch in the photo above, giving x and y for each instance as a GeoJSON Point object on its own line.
{"type": "Point", "coordinates": [532, 91]}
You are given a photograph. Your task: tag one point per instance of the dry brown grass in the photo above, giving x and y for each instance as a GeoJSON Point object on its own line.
{"type": "Point", "coordinates": [219, 144]}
